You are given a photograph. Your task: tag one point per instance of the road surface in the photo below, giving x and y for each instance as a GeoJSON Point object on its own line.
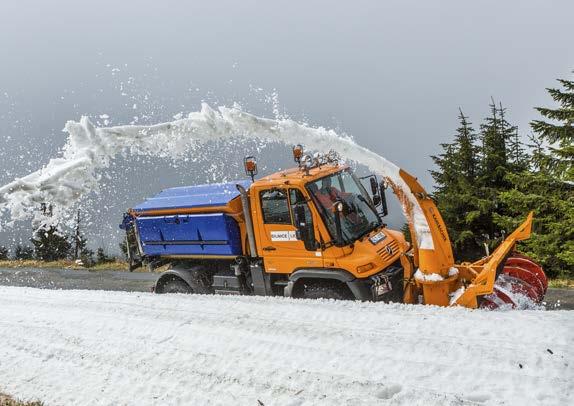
{"type": "Point", "coordinates": [49, 278]}
{"type": "Point", "coordinates": [556, 299]}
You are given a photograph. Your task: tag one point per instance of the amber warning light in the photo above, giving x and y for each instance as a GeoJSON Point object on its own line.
{"type": "Point", "coordinates": [297, 153]}
{"type": "Point", "coordinates": [250, 164]}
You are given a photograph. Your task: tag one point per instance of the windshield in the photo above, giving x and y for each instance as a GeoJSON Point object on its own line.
{"type": "Point", "coordinates": [360, 216]}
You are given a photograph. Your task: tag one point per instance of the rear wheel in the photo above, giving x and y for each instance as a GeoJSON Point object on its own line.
{"type": "Point", "coordinates": [175, 285]}
{"type": "Point", "coordinates": [324, 290]}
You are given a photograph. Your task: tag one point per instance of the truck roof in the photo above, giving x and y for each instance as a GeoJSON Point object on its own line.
{"type": "Point", "coordinates": [187, 197]}
{"type": "Point", "coordinates": [298, 176]}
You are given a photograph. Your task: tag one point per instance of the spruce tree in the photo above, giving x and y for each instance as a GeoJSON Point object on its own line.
{"type": "Point", "coordinates": [500, 155]}
{"type": "Point", "coordinates": [3, 252]}
{"type": "Point", "coordinates": [101, 257]}
{"type": "Point", "coordinates": [458, 168]}
{"type": "Point", "coordinates": [559, 133]}
{"type": "Point", "coordinates": [23, 252]}
{"type": "Point", "coordinates": [81, 250]}
{"type": "Point", "coordinates": [494, 134]}
{"type": "Point", "coordinates": [467, 149]}
{"type": "Point", "coordinates": [472, 172]}
{"type": "Point", "coordinates": [124, 249]}
{"type": "Point", "coordinates": [517, 156]}
{"type": "Point", "coordinates": [50, 244]}
{"type": "Point", "coordinates": [547, 188]}
{"type": "Point", "coordinates": [552, 241]}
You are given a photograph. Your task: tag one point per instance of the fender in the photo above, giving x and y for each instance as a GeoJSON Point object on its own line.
{"type": "Point", "coordinates": [179, 271]}
{"type": "Point", "coordinates": [357, 286]}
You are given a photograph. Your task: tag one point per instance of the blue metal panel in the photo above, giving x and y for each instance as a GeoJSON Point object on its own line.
{"type": "Point", "coordinates": [216, 194]}
{"type": "Point", "coordinates": [197, 234]}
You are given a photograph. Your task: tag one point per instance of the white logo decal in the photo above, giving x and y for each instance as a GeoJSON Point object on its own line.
{"type": "Point", "coordinates": [283, 236]}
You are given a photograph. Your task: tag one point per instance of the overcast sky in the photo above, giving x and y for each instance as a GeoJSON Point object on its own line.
{"type": "Point", "coordinates": [390, 73]}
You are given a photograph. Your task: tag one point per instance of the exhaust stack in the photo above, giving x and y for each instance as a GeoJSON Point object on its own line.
{"type": "Point", "coordinates": [248, 220]}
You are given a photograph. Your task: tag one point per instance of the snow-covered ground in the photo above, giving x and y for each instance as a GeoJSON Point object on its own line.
{"type": "Point", "coordinates": [115, 348]}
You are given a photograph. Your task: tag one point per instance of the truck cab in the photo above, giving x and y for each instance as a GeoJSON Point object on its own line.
{"type": "Point", "coordinates": [309, 231]}
{"type": "Point", "coordinates": [309, 223]}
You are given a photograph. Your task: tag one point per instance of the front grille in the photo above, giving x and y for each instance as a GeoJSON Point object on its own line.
{"type": "Point", "coordinates": [384, 251]}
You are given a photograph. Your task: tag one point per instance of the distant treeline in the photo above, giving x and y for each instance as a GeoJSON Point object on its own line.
{"type": "Point", "coordinates": [488, 180]}
{"type": "Point", "coordinates": [50, 243]}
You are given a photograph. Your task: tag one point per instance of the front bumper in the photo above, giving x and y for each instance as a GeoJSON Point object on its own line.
{"type": "Point", "coordinates": [385, 286]}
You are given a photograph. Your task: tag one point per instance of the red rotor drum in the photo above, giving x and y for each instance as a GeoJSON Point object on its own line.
{"type": "Point", "coordinates": [524, 262]}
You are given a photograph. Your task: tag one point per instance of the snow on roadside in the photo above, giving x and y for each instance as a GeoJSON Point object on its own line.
{"type": "Point", "coordinates": [110, 348]}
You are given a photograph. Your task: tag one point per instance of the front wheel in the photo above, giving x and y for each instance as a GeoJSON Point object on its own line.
{"type": "Point", "coordinates": [324, 290]}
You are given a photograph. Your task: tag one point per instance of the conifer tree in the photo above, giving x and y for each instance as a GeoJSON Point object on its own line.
{"type": "Point", "coordinates": [124, 249]}
{"type": "Point", "coordinates": [23, 252]}
{"type": "Point", "coordinates": [80, 245]}
{"type": "Point", "coordinates": [3, 252]}
{"type": "Point", "coordinates": [458, 169]}
{"type": "Point", "coordinates": [467, 149]}
{"type": "Point", "coordinates": [547, 189]}
{"type": "Point", "coordinates": [552, 241]}
{"type": "Point", "coordinates": [517, 156]}
{"type": "Point", "coordinates": [559, 133]}
{"type": "Point", "coordinates": [101, 257]}
{"type": "Point", "coordinates": [501, 149]}
{"type": "Point", "coordinates": [510, 181]}
{"type": "Point", "coordinates": [50, 244]}
{"type": "Point", "coordinates": [494, 134]}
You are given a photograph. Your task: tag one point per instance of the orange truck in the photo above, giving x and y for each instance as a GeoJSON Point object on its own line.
{"type": "Point", "coordinates": [315, 231]}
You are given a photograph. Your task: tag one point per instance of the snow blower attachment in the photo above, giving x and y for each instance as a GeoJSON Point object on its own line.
{"type": "Point", "coordinates": [504, 278]}
{"type": "Point", "coordinates": [315, 231]}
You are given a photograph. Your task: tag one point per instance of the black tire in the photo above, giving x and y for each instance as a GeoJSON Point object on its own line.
{"type": "Point", "coordinates": [325, 290]}
{"type": "Point", "coordinates": [175, 285]}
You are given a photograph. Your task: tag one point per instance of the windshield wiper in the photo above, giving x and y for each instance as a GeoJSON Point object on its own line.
{"type": "Point", "coordinates": [372, 225]}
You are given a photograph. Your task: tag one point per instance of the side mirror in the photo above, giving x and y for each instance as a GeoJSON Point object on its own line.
{"type": "Point", "coordinates": [383, 197]}
{"type": "Point", "coordinates": [375, 191]}
{"type": "Point", "coordinates": [305, 231]}
{"type": "Point", "coordinates": [374, 186]}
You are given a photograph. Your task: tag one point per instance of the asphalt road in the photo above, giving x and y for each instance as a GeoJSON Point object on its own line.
{"type": "Point", "coordinates": [77, 279]}
{"type": "Point", "coordinates": [556, 299]}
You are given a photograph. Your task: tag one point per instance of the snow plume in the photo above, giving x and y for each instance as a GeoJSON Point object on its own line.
{"type": "Point", "coordinates": [64, 181]}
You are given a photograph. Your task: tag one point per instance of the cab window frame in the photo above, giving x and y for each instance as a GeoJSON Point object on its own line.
{"type": "Point", "coordinates": [266, 214]}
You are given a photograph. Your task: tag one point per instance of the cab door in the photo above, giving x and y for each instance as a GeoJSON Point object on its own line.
{"type": "Point", "coordinates": [278, 244]}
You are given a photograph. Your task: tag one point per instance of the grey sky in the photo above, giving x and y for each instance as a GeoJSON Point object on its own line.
{"type": "Point", "coordinates": [390, 73]}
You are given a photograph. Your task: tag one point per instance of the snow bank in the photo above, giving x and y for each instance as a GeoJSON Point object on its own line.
{"type": "Point", "coordinates": [89, 150]}
{"type": "Point", "coordinates": [112, 348]}
{"type": "Point", "coordinates": [454, 296]}
{"type": "Point", "coordinates": [430, 277]}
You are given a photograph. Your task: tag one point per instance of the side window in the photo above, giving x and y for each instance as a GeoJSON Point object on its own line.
{"type": "Point", "coordinates": [296, 198]}
{"type": "Point", "coordinates": [275, 207]}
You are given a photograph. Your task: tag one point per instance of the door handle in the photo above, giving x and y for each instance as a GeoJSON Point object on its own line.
{"type": "Point", "coordinates": [269, 249]}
